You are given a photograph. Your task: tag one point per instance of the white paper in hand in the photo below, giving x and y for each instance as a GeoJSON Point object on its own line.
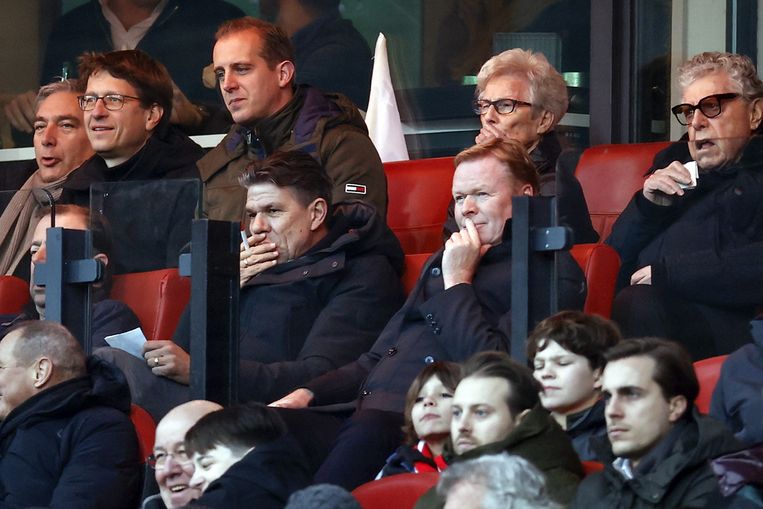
{"type": "Point", "coordinates": [130, 341]}
{"type": "Point", "coordinates": [692, 167]}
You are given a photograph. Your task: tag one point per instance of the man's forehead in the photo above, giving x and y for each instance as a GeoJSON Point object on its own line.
{"type": "Point", "coordinates": [59, 105]}
{"type": "Point", "coordinates": [636, 371]}
{"type": "Point", "coordinates": [486, 171]}
{"type": "Point", "coordinates": [477, 390]}
{"type": "Point", "coordinates": [103, 82]}
{"type": "Point", "coordinates": [718, 82]}
{"type": "Point", "coordinates": [267, 193]}
{"type": "Point", "coordinates": [172, 429]}
{"type": "Point", "coordinates": [242, 45]}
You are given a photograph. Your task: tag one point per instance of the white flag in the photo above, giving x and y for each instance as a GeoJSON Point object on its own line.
{"type": "Point", "coordinates": [382, 117]}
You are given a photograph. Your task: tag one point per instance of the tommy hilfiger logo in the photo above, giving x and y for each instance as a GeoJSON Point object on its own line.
{"type": "Point", "coordinates": [355, 189]}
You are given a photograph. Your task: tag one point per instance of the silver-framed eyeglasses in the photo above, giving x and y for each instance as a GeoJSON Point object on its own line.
{"type": "Point", "coordinates": [710, 107]}
{"type": "Point", "coordinates": [503, 106]}
{"type": "Point", "coordinates": [159, 459]}
{"type": "Point", "coordinates": [111, 102]}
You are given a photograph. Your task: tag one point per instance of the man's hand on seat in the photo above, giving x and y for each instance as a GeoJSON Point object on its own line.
{"type": "Point", "coordinates": [299, 398]}
{"type": "Point", "coordinates": [166, 358]}
{"type": "Point", "coordinates": [260, 256]}
{"type": "Point", "coordinates": [663, 185]}
{"type": "Point", "coordinates": [463, 251]}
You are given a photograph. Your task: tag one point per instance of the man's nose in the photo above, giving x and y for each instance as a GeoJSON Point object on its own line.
{"type": "Point", "coordinates": [698, 119]}
{"type": "Point", "coordinates": [546, 372]}
{"type": "Point", "coordinates": [48, 135]}
{"type": "Point", "coordinates": [429, 401]}
{"type": "Point", "coordinates": [468, 206]}
{"type": "Point", "coordinates": [490, 116]}
{"type": "Point", "coordinates": [229, 82]}
{"type": "Point", "coordinates": [613, 408]}
{"type": "Point", "coordinates": [258, 224]}
{"type": "Point", "coordinates": [39, 255]}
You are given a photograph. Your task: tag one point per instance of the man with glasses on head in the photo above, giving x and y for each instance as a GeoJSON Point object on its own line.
{"type": "Point", "coordinates": [691, 245]}
{"type": "Point", "coordinates": [521, 97]}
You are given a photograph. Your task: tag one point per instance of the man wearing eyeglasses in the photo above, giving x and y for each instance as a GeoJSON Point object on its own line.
{"type": "Point", "coordinates": [691, 246]}
{"type": "Point", "coordinates": [521, 97]}
{"type": "Point", "coordinates": [127, 106]}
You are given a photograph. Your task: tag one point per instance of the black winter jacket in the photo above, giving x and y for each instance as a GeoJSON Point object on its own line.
{"type": "Point", "coordinates": [677, 475]}
{"type": "Point", "coordinates": [437, 324]}
{"type": "Point", "coordinates": [72, 445]}
{"type": "Point", "coordinates": [313, 314]}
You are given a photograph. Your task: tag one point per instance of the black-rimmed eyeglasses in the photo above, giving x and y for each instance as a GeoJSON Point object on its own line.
{"type": "Point", "coordinates": [710, 107]}
{"type": "Point", "coordinates": [112, 102]}
{"type": "Point", "coordinates": [502, 106]}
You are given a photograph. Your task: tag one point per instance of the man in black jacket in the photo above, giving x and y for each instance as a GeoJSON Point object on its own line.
{"type": "Point", "coordinates": [460, 306]}
{"type": "Point", "coordinates": [691, 247]}
{"type": "Point", "coordinates": [319, 282]}
{"type": "Point", "coordinates": [660, 446]}
{"type": "Point", "coordinates": [66, 439]}
{"type": "Point", "coordinates": [127, 104]}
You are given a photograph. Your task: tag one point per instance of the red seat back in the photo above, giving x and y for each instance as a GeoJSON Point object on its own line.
{"type": "Point", "coordinates": [157, 297]}
{"type": "Point", "coordinates": [14, 294]}
{"type": "Point", "coordinates": [413, 265]}
{"type": "Point", "coordinates": [590, 467]}
{"type": "Point", "coordinates": [610, 175]}
{"type": "Point", "coordinates": [419, 193]}
{"type": "Point", "coordinates": [708, 371]}
{"type": "Point", "coordinates": [145, 428]}
{"type": "Point", "coordinates": [600, 264]}
{"type": "Point", "coordinates": [398, 491]}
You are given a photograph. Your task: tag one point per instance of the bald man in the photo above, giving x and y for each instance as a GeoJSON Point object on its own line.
{"type": "Point", "coordinates": [173, 468]}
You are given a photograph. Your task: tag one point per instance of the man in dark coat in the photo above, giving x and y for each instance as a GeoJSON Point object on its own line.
{"type": "Point", "coordinates": [318, 285]}
{"type": "Point", "coordinates": [690, 248]}
{"type": "Point", "coordinates": [66, 439]}
{"type": "Point", "coordinates": [660, 446]}
{"type": "Point", "coordinates": [127, 104]}
{"type": "Point", "coordinates": [496, 408]}
{"type": "Point", "coordinates": [461, 305]}
{"type": "Point", "coordinates": [254, 65]}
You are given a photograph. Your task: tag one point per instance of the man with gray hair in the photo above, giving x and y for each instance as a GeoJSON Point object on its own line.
{"type": "Point", "coordinates": [520, 96]}
{"type": "Point", "coordinates": [66, 439]}
{"type": "Point", "coordinates": [496, 481]}
{"type": "Point", "coordinates": [691, 245]}
{"type": "Point", "coordinates": [61, 148]}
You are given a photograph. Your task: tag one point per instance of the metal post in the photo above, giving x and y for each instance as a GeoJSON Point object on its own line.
{"type": "Point", "coordinates": [68, 270]}
{"type": "Point", "coordinates": [535, 238]}
{"type": "Point", "coordinates": [214, 271]}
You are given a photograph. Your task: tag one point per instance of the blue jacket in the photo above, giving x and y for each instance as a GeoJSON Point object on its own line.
{"type": "Point", "coordinates": [72, 445]}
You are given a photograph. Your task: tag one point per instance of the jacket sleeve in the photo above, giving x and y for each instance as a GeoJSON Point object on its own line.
{"type": "Point", "coordinates": [102, 471]}
{"type": "Point", "coordinates": [354, 315]}
{"type": "Point", "coordinates": [736, 398]}
{"type": "Point", "coordinates": [350, 157]}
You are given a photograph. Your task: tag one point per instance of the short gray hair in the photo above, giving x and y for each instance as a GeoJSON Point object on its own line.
{"type": "Point", "coordinates": [71, 86]}
{"type": "Point", "coordinates": [548, 91]}
{"type": "Point", "coordinates": [740, 69]}
{"type": "Point", "coordinates": [509, 482]}
{"type": "Point", "coordinates": [38, 338]}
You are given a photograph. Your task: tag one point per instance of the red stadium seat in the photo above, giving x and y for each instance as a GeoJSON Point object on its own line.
{"type": "Point", "coordinates": [157, 297]}
{"type": "Point", "coordinates": [14, 294]}
{"type": "Point", "coordinates": [413, 265]}
{"type": "Point", "coordinates": [145, 428]}
{"type": "Point", "coordinates": [600, 264]}
{"type": "Point", "coordinates": [419, 193]}
{"type": "Point", "coordinates": [708, 371]}
{"type": "Point", "coordinates": [397, 491]}
{"type": "Point", "coordinates": [610, 175]}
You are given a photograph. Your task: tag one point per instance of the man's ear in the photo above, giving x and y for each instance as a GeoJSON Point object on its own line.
{"type": "Point", "coordinates": [519, 418]}
{"type": "Point", "coordinates": [756, 114]}
{"type": "Point", "coordinates": [154, 116]}
{"type": "Point", "coordinates": [285, 73]}
{"type": "Point", "coordinates": [525, 190]}
{"type": "Point", "coordinates": [43, 370]}
{"type": "Point", "coordinates": [103, 259]}
{"type": "Point", "coordinates": [677, 408]}
{"type": "Point", "coordinates": [597, 378]}
{"type": "Point", "coordinates": [318, 211]}
{"type": "Point", "coordinates": [546, 122]}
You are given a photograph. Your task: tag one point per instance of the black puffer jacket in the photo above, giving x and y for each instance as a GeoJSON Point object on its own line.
{"type": "Point", "coordinates": [72, 445]}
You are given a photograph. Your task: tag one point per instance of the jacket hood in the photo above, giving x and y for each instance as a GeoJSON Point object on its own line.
{"type": "Point", "coordinates": [104, 385]}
